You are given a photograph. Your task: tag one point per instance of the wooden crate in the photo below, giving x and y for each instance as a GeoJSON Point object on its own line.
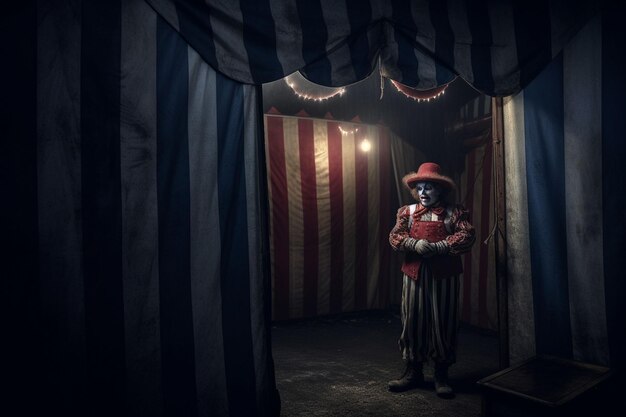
{"type": "Point", "coordinates": [546, 386]}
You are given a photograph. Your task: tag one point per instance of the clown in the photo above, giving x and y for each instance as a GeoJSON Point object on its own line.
{"type": "Point", "coordinates": [433, 234]}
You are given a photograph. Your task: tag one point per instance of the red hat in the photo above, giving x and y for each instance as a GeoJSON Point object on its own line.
{"type": "Point", "coordinates": [428, 171]}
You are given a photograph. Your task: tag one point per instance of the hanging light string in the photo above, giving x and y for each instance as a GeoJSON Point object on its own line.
{"type": "Point", "coordinates": [420, 95]}
{"type": "Point", "coordinates": [307, 90]}
{"type": "Point", "coordinates": [348, 131]}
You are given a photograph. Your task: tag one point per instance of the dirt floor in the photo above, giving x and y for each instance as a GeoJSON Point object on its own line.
{"type": "Point", "coordinates": [340, 366]}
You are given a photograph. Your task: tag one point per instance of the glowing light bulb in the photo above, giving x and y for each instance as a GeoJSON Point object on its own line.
{"type": "Point", "coordinates": [366, 145]}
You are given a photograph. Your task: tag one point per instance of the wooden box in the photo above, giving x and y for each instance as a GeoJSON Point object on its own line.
{"type": "Point", "coordinates": [547, 386]}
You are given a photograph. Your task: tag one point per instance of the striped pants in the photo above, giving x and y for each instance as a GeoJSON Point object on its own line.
{"type": "Point", "coordinates": [429, 318]}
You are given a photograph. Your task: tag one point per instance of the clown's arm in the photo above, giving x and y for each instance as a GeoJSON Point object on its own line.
{"type": "Point", "coordinates": [463, 235]}
{"type": "Point", "coordinates": [399, 237]}
{"type": "Point", "coordinates": [400, 232]}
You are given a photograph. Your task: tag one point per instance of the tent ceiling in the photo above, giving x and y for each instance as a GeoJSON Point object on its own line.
{"type": "Point", "coordinates": [498, 47]}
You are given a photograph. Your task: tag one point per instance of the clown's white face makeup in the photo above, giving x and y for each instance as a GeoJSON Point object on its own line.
{"type": "Point", "coordinates": [428, 193]}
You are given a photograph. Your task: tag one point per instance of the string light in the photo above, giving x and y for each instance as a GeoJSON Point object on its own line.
{"type": "Point", "coordinates": [366, 145]}
{"type": "Point", "coordinates": [307, 90]}
{"type": "Point", "coordinates": [348, 131]}
{"type": "Point", "coordinates": [417, 95]}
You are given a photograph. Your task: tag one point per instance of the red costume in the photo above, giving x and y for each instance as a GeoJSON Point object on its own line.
{"type": "Point", "coordinates": [459, 234]}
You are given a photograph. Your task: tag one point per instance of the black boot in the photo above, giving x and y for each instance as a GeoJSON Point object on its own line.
{"type": "Point", "coordinates": [413, 377]}
{"type": "Point", "coordinates": [441, 381]}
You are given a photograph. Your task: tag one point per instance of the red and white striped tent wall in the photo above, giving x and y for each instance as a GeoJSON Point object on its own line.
{"type": "Point", "coordinates": [330, 214]}
{"type": "Point", "coordinates": [331, 209]}
{"type": "Point", "coordinates": [475, 192]}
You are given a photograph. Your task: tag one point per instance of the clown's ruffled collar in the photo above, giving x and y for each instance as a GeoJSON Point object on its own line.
{"type": "Point", "coordinates": [421, 210]}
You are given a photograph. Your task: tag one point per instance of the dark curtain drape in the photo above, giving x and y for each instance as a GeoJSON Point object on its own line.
{"type": "Point", "coordinates": [496, 46]}
{"type": "Point", "coordinates": [136, 221]}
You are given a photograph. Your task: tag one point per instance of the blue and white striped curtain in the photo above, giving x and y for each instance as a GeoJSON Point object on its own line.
{"type": "Point", "coordinates": [151, 282]}
{"type": "Point", "coordinates": [565, 180]}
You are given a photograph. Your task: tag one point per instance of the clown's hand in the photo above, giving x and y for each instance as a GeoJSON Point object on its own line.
{"type": "Point", "coordinates": [440, 248]}
{"type": "Point", "coordinates": [422, 247]}
{"type": "Point", "coordinates": [408, 244]}
{"type": "Point", "coordinates": [396, 242]}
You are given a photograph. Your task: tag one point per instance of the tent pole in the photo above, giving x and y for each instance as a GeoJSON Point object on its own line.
{"type": "Point", "coordinates": [500, 242]}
